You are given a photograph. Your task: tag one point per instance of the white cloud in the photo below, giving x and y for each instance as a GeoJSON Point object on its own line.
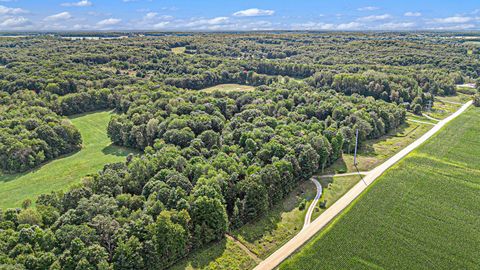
{"type": "Point", "coordinates": [217, 20]}
{"type": "Point", "coordinates": [83, 3]}
{"type": "Point", "coordinates": [369, 8]}
{"type": "Point", "coordinates": [205, 22]}
{"type": "Point", "coordinates": [11, 11]}
{"type": "Point", "coordinates": [374, 18]}
{"type": "Point", "coordinates": [59, 17]}
{"type": "Point", "coordinates": [328, 26]}
{"type": "Point", "coordinates": [81, 27]}
{"type": "Point", "coordinates": [150, 15]}
{"type": "Point", "coordinates": [161, 25]}
{"type": "Point", "coordinates": [254, 12]}
{"type": "Point", "coordinates": [453, 19]}
{"type": "Point", "coordinates": [108, 22]}
{"type": "Point", "coordinates": [412, 14]}
{"type": "Point", "coordinates": [15, 22]}
{"type": "Point", "coordinates": [349, 26]}
{"type": "Point", "coordinates": [397, 26]}
{"type": "Point", "coordinates": [454, 27]}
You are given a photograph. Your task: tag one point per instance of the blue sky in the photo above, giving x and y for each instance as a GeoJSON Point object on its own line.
{"type": "Point", "coordinates": [218, 15]}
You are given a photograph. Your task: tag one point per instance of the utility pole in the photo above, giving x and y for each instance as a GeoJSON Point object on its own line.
{"type": "Point", "coordinates": [355, 163]}
{"type": "Point", "coordinates": [429, 105]}
{"type": "Point", "coordinates": [356, 147]}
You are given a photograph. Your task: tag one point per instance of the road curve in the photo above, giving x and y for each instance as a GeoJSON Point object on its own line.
{"type": "Point", "coordinates": [305, 234]}
{"type": "Point", "coordinates": [308, 216]}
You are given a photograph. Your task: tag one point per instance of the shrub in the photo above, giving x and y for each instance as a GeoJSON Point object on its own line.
{"type": "Point", "coordinates": [302, 205]}
{"type": "Point", "coordinates": [476, 100]}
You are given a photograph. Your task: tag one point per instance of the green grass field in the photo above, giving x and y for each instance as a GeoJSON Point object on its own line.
{"type": "Point", "coordinates": [229, 88]}
{"type": "Point", "coordinates": [373, 152]}
{"type": "Point", "coordinates": [268, 233]}
{"type": "Point", "coordinates": [333, 189]}
{"type": "Point", "coordinates": [63, 172]}
{"type": "Point", "coordinates": [423, 213]}
{"type": "Point", "coordinates": [179, 50]}
{"type": "Point", "coordinates": [222, 255]}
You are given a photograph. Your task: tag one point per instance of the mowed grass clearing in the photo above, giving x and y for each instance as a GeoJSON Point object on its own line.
{"type": "Point", "coordinates": [229, 88]}
{"type": "Point", "coordinates": [61, 173]}
{"type": "Point", "coordinates": [374, 152]}
{"type": "Point", "coordinates": [266, 234]}
{"type": "Point", "coordinates": [225, 254]}
{"type": "Point", "coordinates": [333, 189]}
{"type": "Point", "coordinates": [179, 50]}
{"type": "Point", "coordinates": [423, 213]}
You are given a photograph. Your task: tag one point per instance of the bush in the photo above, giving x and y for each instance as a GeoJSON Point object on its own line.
{"type": "Point", "coordinates": [417, 109]}
{"type": "Point", "coordinates": [302, 205]}
{"type": "Point", "coordinates": [323, 204]}
{"type": "Point", "coordinates": [476, 100]}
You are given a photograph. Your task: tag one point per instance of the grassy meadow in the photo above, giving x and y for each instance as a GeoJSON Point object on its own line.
{"type": "Point", "coordinates": [374, 152]}
{"type": "Point", "coordinates": [223, 255]}
{"type": "Point", "coordinates": [61, 173]}
{"type": "Point", "coordinates": [333, 189]}
{"type": "Point", "coordinates": [280, 224]}
{"type": "Point", "coordinates": [423, 213]}
{"type": "Point", "coordinates": [179, 50]}
{"type": "Point", "coordinates": [229, 88]}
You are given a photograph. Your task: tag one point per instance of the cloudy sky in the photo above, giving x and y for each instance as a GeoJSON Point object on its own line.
{"type": "Point", "coordinates": [217, 15]}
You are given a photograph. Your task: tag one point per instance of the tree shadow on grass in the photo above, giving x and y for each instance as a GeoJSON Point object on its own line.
{"type": "Point", "coordinates": [367, 148]}
{"type": "Point", "coordinates": [202, 257]}
{"type": "Point", "coordinates": [8, 177]}
{"type": "Point", "coordinates": [325, 181]}
{"type": "Point", "coordinates": [266, 224]}
{"type": "Point", "coordinates": [117, 151]}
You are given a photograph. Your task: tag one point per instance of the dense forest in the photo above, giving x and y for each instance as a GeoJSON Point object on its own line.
{"type": "Point", "coordinates": [211, 161]}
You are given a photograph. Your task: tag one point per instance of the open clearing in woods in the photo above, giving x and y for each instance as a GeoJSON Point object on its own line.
{"type": "Point", "coordinates": [229, 88]}
{"type": "Point", "coordinates": [61, 173]}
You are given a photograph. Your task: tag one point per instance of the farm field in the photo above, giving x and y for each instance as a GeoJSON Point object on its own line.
{"type": "Point", "coordinates": [61, 173]}
{"type": "Point", "coordinates": [229, 88]}
{"type": "Point", "coordinates": [421, 214]}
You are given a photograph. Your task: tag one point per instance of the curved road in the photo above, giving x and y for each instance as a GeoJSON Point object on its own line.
{"type": "Point", "coordinates": [308, 216]}
{"type": "Point", "coordinates": [305, 234]}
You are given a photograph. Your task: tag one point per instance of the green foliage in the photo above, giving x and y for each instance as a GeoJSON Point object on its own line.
{"type": "Point", "coordinates": [302, 205]}
{"type": "Point", "coordinates": [211, 159]}
{"type": "Point", "coordinates": [31, 134]}
{"type": "Point", "coordinates": [66, 171]}
{"type": "Point", "coordinates": [476, 100]}
{"type": "Point", "coordinates": [409, 217]}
